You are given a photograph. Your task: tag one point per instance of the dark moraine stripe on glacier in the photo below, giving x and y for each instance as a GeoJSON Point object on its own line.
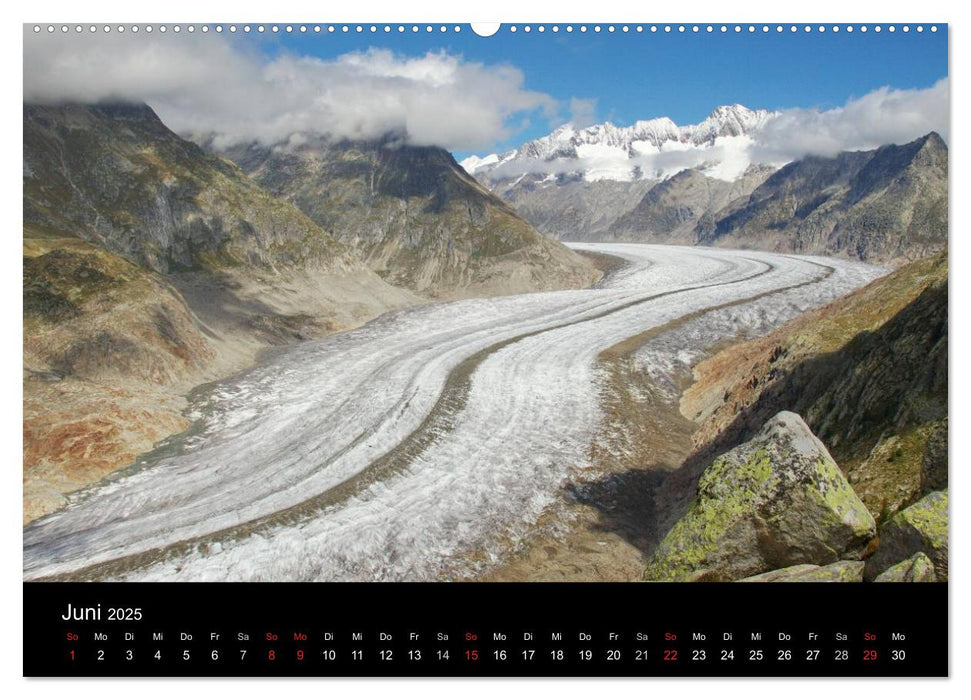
{"type": "Point", "coordinates": [438, 421]}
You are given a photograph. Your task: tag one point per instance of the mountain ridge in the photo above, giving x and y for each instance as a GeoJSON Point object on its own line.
{"type": "Point", "coordinates": [888, 204]}
{"type": "Point", "coordinates": [415, 217]}
{"type": "Point", "coordinates": [115, 175]}
{"type": "Point", "coordinates": [655, 181]}
{"type": "Point", "coordinates": [640, 138]}
{"type": "Point", "coordinates": [673, 209]}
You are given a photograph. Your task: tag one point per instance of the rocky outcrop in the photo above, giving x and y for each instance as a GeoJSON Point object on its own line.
{"type": "Point", "coordinates": [920, 528]}
{"type": "Point", "coordinates": [918, 569]}
{"type": "Point", "coordinates": [884, 205]}
{"type": "Point", "coordinates": [776, 501]}
{"type": "Point", "coordinates": [416, 217]}
{"type": "Point", "coordinates": [933, 468]}
{"type": "Point", "coordinates": [837, 572]}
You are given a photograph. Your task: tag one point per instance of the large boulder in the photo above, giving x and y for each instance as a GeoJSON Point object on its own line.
{"type": "Point", "coordinates": [918, 569]}
{"type": "Point", "coordinates": [773, 502]}
{"type": "Point", "coordinates": [838, 572]}
{"type": "Point", "coordinates": [921, 527]}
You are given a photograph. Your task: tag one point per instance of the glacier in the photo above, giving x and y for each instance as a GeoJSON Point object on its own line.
{"type": "Point", "coordinates": [278, 481]}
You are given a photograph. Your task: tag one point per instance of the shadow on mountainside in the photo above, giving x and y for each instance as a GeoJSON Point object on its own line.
{"type": "Point", "coordinates": [881, 385]}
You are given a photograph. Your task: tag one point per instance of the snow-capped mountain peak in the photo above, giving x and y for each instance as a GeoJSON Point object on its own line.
{"type": "Point", "coordinates": [728, 120]}
{"type": "Point", "coordinates": [472, 164]}
{"type": "Point", "coordinates": [652, 148]}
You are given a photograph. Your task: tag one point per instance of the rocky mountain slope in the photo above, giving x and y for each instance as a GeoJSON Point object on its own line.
{"type": "Point", "coordinates": [104, 342]}
{"type": "Point", "coordinates": [670, 212]}
{"type": "Point", "coordinates": [867, 372]}
{"type": "Point", "coordinates": [574, 209]}
{"type": "Point", "coordinates": [114, 175]}
{"type": "Point", "coordinates": [415, 217]}
{"type": "Point", "coordinates": [889, 204]}
{"type": "Point", "coordinates": [151, 266]}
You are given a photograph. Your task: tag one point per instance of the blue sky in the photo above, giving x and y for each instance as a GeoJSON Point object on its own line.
{"type": "Point", "coordinates": [683, 76]}
{"type": "Point", "coordinates": [475, 94]}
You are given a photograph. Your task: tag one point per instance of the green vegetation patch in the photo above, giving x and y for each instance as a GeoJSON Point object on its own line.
{"type": "Point", "coordinates": [60, 280]}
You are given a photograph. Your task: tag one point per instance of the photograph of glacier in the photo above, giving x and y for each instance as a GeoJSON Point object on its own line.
{"type": "Point", "coordinates": [411, 304]}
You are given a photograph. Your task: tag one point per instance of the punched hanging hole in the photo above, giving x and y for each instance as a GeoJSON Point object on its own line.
{"type": "Point", "coordinates": [485, 28]}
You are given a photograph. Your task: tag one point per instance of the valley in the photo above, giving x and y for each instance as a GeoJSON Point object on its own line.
{"type": "Point", "coordinates": [151, 266]}
{"type": "Point", "coordinates": [418, 446]}
{"type": "Point", "coordinates": [613, 353]}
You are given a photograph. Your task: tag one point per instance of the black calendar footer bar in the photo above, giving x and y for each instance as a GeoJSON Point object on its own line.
{"type": "Point", "coordinates": [485, 629]}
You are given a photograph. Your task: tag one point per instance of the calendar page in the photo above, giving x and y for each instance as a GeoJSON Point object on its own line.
{"type": "Point", "coordinates": [639, 331]}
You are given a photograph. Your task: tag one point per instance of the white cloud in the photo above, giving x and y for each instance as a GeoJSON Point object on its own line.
{"type": "Point", "coordinates": [880, 117]}
{"type": "Point", "coordinates": [212, 85]}
{"type": "Point", "coordinates": [583, 112]}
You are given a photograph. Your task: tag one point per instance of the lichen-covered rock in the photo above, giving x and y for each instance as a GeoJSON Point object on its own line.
{"type": "Point", "coordinates": [785, 574]}
{"type": "Point", "coordinates": [838, 572]}
{"type": "Point", "coordinates": [918, 569]}
{"type": "Point", "coordinates": [920, 528]}
{"type": "Point", "coordinates": [773, 502]}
